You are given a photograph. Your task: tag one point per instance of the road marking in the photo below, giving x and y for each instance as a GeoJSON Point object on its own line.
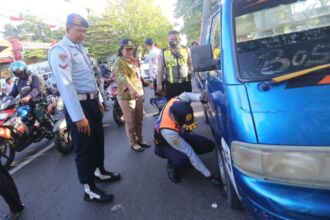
{"type": "Point", "coordinates": [30, 159]}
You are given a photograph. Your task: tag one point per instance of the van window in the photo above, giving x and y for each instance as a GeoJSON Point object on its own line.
{"type": "Point", "coordinates": [214, 39]}
{"type": "Point", "coordinates": [215, 36]}
{"type": "Point", "coordinates": [279, 37]}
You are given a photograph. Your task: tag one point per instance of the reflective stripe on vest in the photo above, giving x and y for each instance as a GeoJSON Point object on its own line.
{"type": "Point", "coordinates": [166, 120]}
{"type": "Point", "coordinates": [172, 64]}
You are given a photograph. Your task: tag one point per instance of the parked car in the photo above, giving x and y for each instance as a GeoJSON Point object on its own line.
{"type": "Point", "coordinates": [265, 66]}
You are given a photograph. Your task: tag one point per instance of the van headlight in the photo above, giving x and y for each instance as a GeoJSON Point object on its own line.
{"type": "Point", "coordinates": [291, 164]}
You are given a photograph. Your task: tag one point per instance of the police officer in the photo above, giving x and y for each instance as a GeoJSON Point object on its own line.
{"type": "Point", "coordinates": [174, 140]}
{"type": "Point", "coordinates": [174, 67]}
{"type": "Point", "coordinates": [76, 82]}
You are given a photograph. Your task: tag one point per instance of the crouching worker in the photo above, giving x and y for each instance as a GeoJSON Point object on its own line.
{"type": "Point", "coordinates": [174, 140]}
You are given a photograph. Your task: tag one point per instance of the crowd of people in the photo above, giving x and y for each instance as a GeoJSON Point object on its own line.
{"type": "Point", "coordinates": [171, 71]}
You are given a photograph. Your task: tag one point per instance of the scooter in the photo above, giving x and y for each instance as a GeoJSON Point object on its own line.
{"type": "Point", "coordinates": [62, 137]}
{"type": "Point", "coordinates": [117, 113]}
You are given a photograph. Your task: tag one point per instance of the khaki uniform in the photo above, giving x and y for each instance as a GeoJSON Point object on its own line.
{"type": "Point", "coordinates": [128, 75]}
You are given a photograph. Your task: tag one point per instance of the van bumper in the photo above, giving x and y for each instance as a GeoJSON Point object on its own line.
{"type": "Point", "coordinates": [264, 199]}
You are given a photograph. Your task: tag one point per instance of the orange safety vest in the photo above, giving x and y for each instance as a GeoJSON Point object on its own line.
{"type": "Point", "coordinates": [165, 121]}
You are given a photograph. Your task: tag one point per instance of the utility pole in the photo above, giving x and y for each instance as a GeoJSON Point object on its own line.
{"type": "Point", "coordinates": [206, 12]}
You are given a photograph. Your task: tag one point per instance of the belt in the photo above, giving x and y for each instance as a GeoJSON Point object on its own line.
{"type": "Point", "coordinates": [88, 96]}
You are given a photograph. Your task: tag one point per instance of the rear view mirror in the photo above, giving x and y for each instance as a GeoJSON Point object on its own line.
{"type": "Point", "coordinates": [202, 58]}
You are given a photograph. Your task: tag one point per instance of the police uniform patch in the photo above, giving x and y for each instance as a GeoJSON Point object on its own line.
{"type": "Point", "coordinates": [174, 141]}
{"type": "Point", "coordinates": [77, 20]}
{"type": "Point", "coordinates": [63, 56]}
{"type": "Point", "coordinates": [188, 117]}
{"type": "Point", "coordinates": [63, 66]}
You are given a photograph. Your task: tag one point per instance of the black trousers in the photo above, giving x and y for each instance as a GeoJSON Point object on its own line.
{"type": "Point", "coordinates": [200, 145]}
{"type": "Point", "coordinates": [9, 191]}
{"type": "Point", "coordinates": [174, 89]}
{"type": "Point", "coordinates": [89, 150]}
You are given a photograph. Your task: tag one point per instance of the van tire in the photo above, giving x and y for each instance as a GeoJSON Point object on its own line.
{"type": "Point", "coordinates": [227, 191]}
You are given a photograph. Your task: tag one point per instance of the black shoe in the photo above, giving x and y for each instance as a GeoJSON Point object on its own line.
{"type": "Point", "coordinates": [172, 173]}
{"type": "Point", "coordinates": [215, 181]}
{"type": "Point", "coordinates": [137, 148]}
{"type": "Point", "coordinates": [144, 144]}
{"type": "Point", "coordinates": [96, 195]}
{"type": "Point", "coordinates": [12, 216]}
{"type": "Point", "coordinates": [156, 115]}
{"type": "Point", "coordinates": [101, 175]}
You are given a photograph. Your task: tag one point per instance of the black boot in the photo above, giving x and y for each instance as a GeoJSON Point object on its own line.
{"type": "Point", "coordinates": [14, 215]}
{"type": "Point", "coordinates": [102, 175]}
{"type": "Point", "coordinates": [173, 174]}
{"type": "Point", "coordinates": [92, 193]}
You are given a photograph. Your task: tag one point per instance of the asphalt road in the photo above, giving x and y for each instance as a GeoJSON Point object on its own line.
{"type": "Point", "coordinates": [50, 189]}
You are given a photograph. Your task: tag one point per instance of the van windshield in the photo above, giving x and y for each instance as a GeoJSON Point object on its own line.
{"type": "Point", "coordinates": [275, 38]}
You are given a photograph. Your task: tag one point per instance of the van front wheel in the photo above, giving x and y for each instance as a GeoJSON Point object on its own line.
{"type": "Point", "coordinates": [228, 191]}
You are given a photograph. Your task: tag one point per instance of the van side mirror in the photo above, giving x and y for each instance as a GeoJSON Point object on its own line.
{"type": "Point", "coordinates": [202, 58]}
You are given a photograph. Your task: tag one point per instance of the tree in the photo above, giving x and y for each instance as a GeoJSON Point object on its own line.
{"type": "Point", "coordinates": [33, 29]}
{"type": "Point", "coordinates": [191, 11]}
{"type": "Point", "coordinates": [35, 55]}
{"type": "Point", "coordinates": [135, 19]}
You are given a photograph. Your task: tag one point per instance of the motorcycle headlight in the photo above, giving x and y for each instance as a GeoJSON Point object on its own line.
{"type": "Point", "coordinates": [59, 104]}
{"type": "Point", "coordinates": [3, 115]}
{"type": "Point", "coordinates": [290, 164]}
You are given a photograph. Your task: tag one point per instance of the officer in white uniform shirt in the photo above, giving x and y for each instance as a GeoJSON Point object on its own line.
{"type": "Point", "coordinates": [83, 107]}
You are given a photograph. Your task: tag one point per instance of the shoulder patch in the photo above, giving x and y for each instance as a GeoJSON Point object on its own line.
{"type": "Point", "coordinates": [63, 56]}
{"type": "Point", "coordinates": [63, 66]}
{"type": "Point", "coordinates": [174, 141]}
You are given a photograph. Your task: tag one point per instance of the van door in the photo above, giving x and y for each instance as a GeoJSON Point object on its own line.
{"type": "Point", "coordinates": [213, 79]}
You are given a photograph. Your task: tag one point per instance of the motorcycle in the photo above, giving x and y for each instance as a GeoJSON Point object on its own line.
{"type": "Point", "coordinates": [117, 113]}
{"type": "Point", "coordinates": [7, 110]}
{"type": "Point", "coordinates": [62, 137]}
{"type": "Point", "coordinates": [21, 125]}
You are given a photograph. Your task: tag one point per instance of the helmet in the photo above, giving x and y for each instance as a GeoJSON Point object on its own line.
{"type": "Point", "coordinates": [17, 66]}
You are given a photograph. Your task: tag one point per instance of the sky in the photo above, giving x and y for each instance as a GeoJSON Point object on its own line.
{"type": "Point", "coordinates": [55, 11]}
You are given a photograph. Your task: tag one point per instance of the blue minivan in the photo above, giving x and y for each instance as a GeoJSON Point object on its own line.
{"type": "Point", "coordinates": [265, 65]}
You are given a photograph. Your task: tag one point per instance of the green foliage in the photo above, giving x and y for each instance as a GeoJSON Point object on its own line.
{"type": "Point", "coordinates": [31, 28]}
{"type": "Point", "coordinates": [35, 55]}
{"type": "Point", "coordinates": [135, 19]}
{"type": "Point", "coordinates": [191, 11]}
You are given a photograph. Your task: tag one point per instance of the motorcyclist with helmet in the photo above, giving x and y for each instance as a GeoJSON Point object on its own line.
{"type": "Point", "coordinates": [25, 78]}
{"type": "Point", "coordinates": [34, 95]}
